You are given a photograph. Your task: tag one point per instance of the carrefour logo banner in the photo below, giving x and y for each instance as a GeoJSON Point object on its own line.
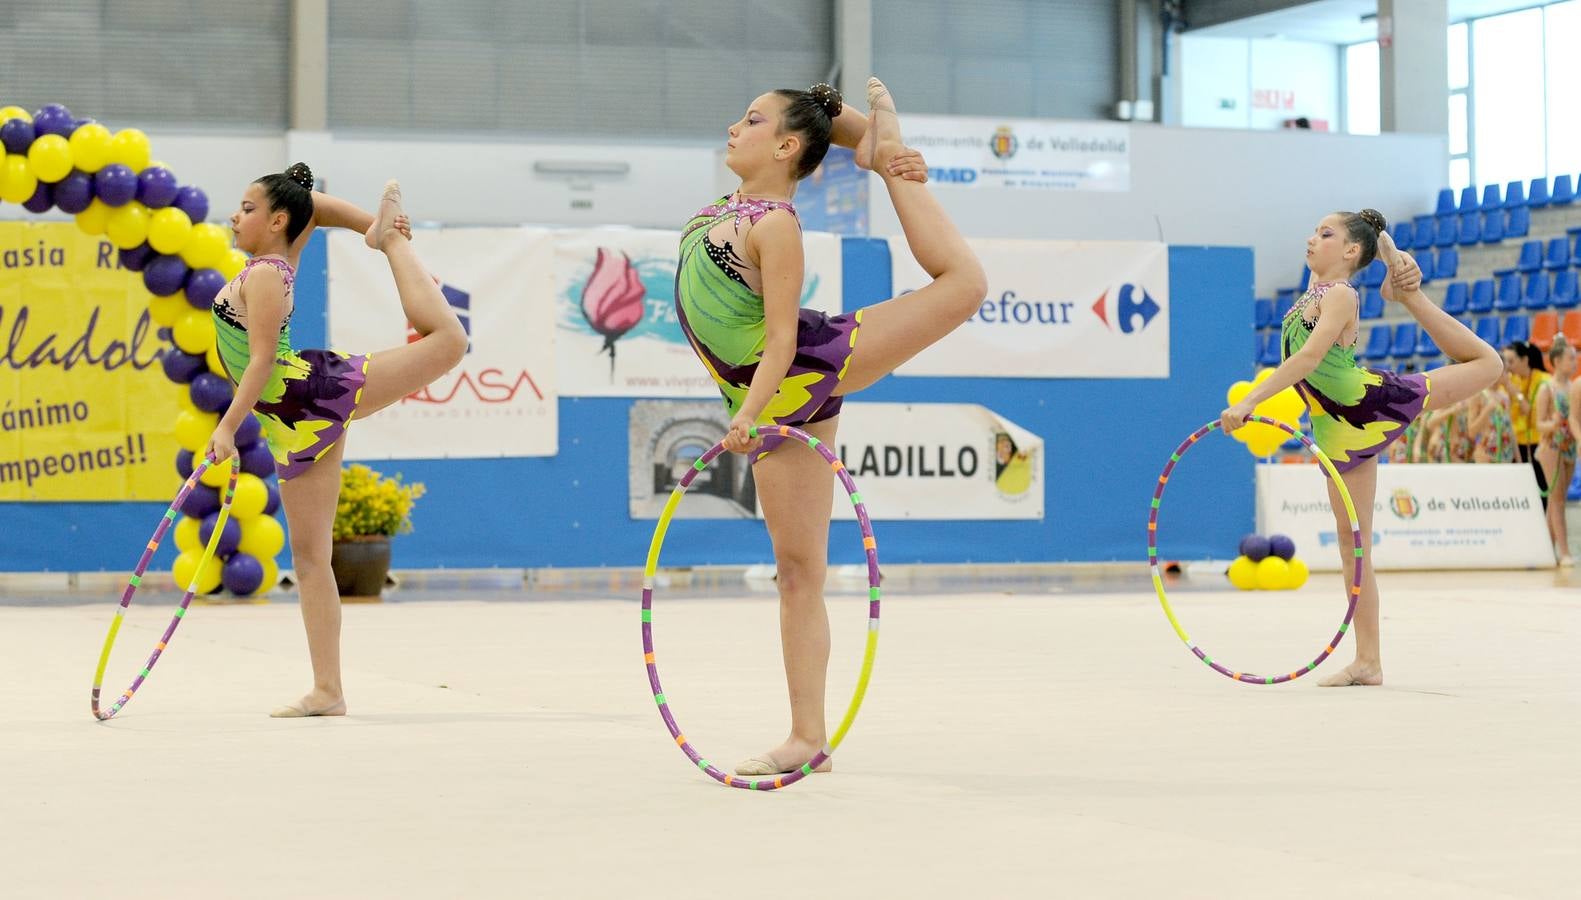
{"type": "Point", "coordinates": [1054, 309]}
{"type": "Point", "coordinates": [1033, 154]}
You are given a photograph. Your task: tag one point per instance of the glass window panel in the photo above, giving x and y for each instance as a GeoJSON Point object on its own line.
{"type": "Point", "coordinates": [1563, 28]}
{"type": "Point", "coordinates": [1459, 134]}
{"type": "Point", "coordinates": [1362, 87]}
{"type": "Point", "coordinates": [1459, 174]}
{"type": "Point", "coordinates": [1507, 87]}
{"type": "Point", "coordinates": [1459, 65]}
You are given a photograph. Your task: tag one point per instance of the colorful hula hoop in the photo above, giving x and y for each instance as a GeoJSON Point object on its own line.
{"type": "Point", "coordinates": [868, 544]}
{"type": "Point", "coordinates": [1158, 581]}
{"type": "Point", "coordinates": [136, 581]}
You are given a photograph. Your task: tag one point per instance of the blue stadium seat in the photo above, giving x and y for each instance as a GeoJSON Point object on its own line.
{"type": "Point", "coordinates": [1558, 254]}
{"type": "Point", "coordinates": [1373, 275]}
{"type": "Point", "coordinates": [1470, 229]}
{"type": "Point", "coordinates": [1426, 228]}
{"type": "Point", "coordinates": [1446, 201]}
{"type": "Point", "coordinates": [1404, 234]}
{"type": "Point", "coordinates": [1490, 198]}
{"type": "Point", "coordinates": [1481, 296]}
{"type": "Point", "coordinates": [1537, 197]}
{"type": "Point", "coordinates": [1519, 223]}
{"type": "Point", "coordinates": [1516, 328]}
{"type": "Point", "coordinates": [1306, 279]}
{"type": "Point", "coordinates": [1575, 253]}
{"type": "Point", "coordinates": [1377, 343]}
{"type": "Point", "coordinates": [1575, 488]}
{"type": "Point", "coordinates": [1287, 299]}
{"type": "Point", "coordinates": [1448, 231]}
{"type": "Point", "coordinates": [1565, 294]}
{"type": "Point", "coordinates": [1468, 201]}
{"type": "Point", "coordinates": [1488, 330]}
{"type": "Point", "coordinates": [1536, 293]}
{"type": "Point", "coordinates": [1404, 343]}
{"type": "Point", "coordinates": [1425, 346]}
{"type": "Point", "coordinates": [1531, 257]}
{"type": "Point", "coordinates": [1493, 227]}
{"type": "Point", "coordinates": [1563, 193]}
{"type": "Point", "coordinates": [1448, 264]}
{"type": "Point", "coordinates": [1263, 313]}
{"type": "Point", "coordinates": [1457, 298]}
{"type": "Point", "coordinates": [1509, 298]}
{"type": "Point", "coordinates": [1371, 303]}
{"type": "Point", "coordinates": [1514, 195]}
{"type": "Point", "coordinates": [1270, 352]}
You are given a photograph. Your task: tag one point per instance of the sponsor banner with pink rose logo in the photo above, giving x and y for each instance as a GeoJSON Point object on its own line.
{"type": "Point", "coordinates": [501, 399]}
{"type": "Point", "coordinates": [616, 333]}
{"type": "Point", "coordinates": [1054, 309]}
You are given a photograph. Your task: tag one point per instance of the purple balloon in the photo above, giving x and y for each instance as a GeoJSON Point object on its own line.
{"type": "Point", "coordinates": [115, 184]}
{"type": "Point", "coordinates": [257, 460]}
{"type": "Point", "coordinates": [17, 136]}
{"type": "Point", "coordinates": [1254, 547]}
{"type": "Point", "coordinates": [184, 464]}
{"type": "Point", "coordinates": [43, 198]}
{"type": "Point", "coordinates": [74, 193]}
{"type": "Point", "coordinates": [156, 187]}
{"type": "Point", "coordinates": [54, 119]}
{"type": "Point", "coordinates": [210, 392]}
{"type": "Point", "coordinates": [164, 275]}
{"type": "Point", "coordinates": [1282, 546]}
{"type": "Point", "coordinates": [229, 538]}
{"type": "Point", "coordinates": [167, 334]}
{"type": "Point", "coordinates": [249, 432]}
{"type": "Point", "coordinates": [202, 286]}
{"type": "Point", "coordinates": [180, 366]}
{"type": "Point", "coordinates": [193, 202]}
{"type": "Point", "coordinates": [273, 505]}
{"type": "Point", "coordinates": [202, 501]}
{"type": "Point", "coordinates": [243, 574]}
{"type": "Point", "coordinates": [137, 258]}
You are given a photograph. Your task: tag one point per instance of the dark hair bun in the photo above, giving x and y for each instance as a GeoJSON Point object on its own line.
{"type": "Point", "coordinates": [1375, 219]}
{"type": "Point", "coordinates": [301, 175]}
{"type": "Point", "coordinates": [827, 98]}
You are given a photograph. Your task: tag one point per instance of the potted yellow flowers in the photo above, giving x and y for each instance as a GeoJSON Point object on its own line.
{"type": "Point", "coordinates": [372, 509]}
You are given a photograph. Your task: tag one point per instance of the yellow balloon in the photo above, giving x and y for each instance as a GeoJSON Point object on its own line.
{"type": "Point", "coordinates": [129, 147]}
{"type": "Point", "coordinates": [1243, 573]}
{"type": "Point", "coordinates": [187, 564]}
{"type": "Point", "coordinates": [193, 429]}
{"type": "Point", "coordinates": [271, 577]}
{"type": "Point", "coordinates": [1238, 392]}
{"type": "Point", "coordinates": [166, 310]}
{"type": "Point", "coordinates": [233, 263]}
{"type": "Point", "coordinates": [194, 331]}
{"type": "Point", "coordinates": [251, 497]}
{"type": "Point", "coordinates": [95, 218]}
{"type": "Point", "coordinates": [213, 359]}
{"type": "Point", "coordinates": [218, 475]}
{"type": "Point", "coordinates": [127, 226]}
{"type": "Point", "coordinates": [169, 230]}
{"type": "Point", "coordinates": [1273, 574]}
{"type": "Point", "coordinates": [50, 157]}
{"type": "Point", "coordinates": [207, 246]}
{"type": "Point", "coordinates": [14, 112]}
{"type": "Point", "coordinates": [1261, 376]}
{"type": "Point", "coordinates": [187, 536]}
{"type": "Point", "coordinates": [262, 537]}
{"type": "Point", "coordinates": [90, 147]}
{"type": "Point", "coordinates": [17, 181]}
{"type": "Point", "coordinates": [1298, 574]}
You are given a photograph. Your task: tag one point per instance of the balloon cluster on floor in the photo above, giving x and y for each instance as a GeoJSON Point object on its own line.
{"type": "Point", "coordinates": [1286, 406]}
{"type": "Point", "coordinates": [1268, 564]}
{"type": "Point", "coordinates": [108, 182]}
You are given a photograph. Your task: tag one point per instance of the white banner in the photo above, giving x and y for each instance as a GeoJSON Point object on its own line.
{"type": "Point", "coordinates": [1055, 309]}
{"type": "Point", "coordinates": [501, 400]}
{"type": "Point", "coordinates": [1425, 516]}
{"type": "Point", "coordinates": [616, 330]}
{"type": "Point", "coordinates": [1038, 154]}
{"type": "Point", "coordinates": [945, 461]}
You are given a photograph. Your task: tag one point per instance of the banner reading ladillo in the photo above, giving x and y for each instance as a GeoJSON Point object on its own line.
{"type": "Point", "coordinates": [85, 410]}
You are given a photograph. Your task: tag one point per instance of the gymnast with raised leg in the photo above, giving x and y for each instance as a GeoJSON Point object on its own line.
{"type": "Point", "coordinates": [738, 297]}
{"type": "Point", "coordinates": [305, 399]}
{"type": "Point", "coordinates": [1357, 412]}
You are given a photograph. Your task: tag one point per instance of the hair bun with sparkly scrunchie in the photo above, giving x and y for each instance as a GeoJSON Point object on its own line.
{"type": "Point", "coordinates": [1375, 219]}
{"type": "Point", "coordinates": [301, 175]}
{"type": "Point", "coordinates": [827, 98]}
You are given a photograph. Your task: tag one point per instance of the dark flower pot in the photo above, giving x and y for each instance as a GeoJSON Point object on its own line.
{"type": "Point", "coordinates": [360, 565]}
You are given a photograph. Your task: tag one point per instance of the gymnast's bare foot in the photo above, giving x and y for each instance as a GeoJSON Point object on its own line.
{"type": "Point", "coordinates": [1357, 674]}
{"type": "Point", "coordinates": [316, 703]}
{"type": "Point", "coordinates": [787, 757]}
